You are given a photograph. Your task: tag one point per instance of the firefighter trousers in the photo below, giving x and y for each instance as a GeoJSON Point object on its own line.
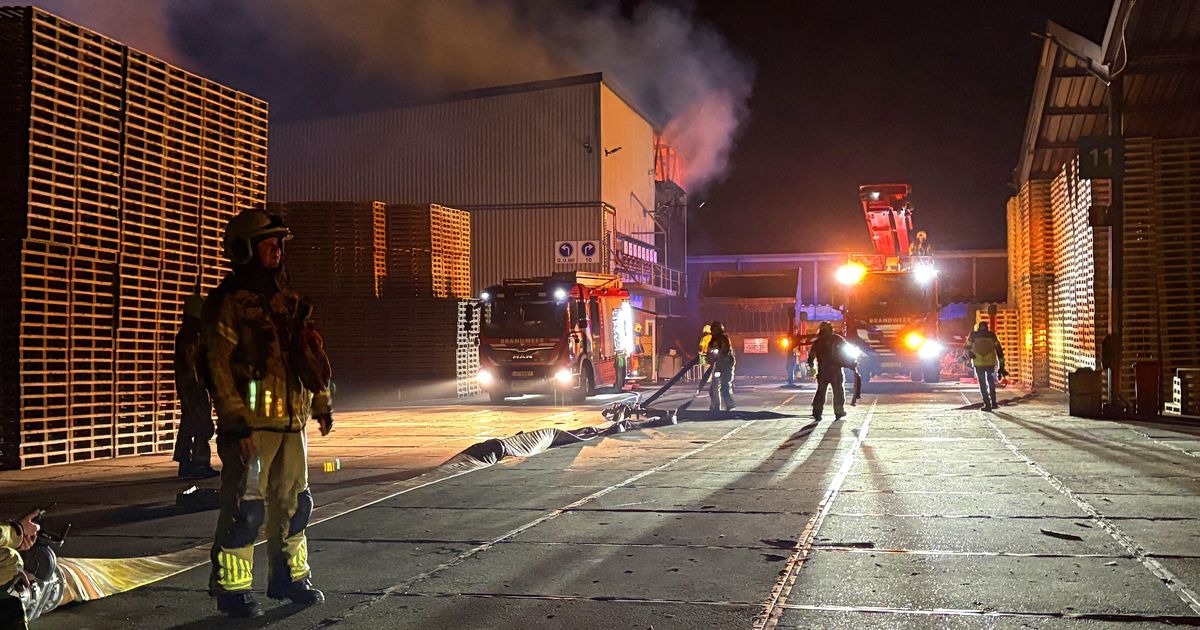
{"type": "Point", "coordinates": [839, 395]}
{"type": "Point", "coordinates": [271, 486]}
{"type": "Point", "coordinates": [195, 427]}
{"type": "Point", "coordinates": [720, 391]}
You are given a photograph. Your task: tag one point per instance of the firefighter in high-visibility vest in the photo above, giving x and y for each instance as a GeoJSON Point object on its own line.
{"type": "Point", "coordinates": [269, 375]}
{"type": "Point", "coordinates": [705, 339]}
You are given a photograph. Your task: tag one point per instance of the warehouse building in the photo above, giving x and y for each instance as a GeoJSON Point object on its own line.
{"type": "Point", "coordinates": [119, 173]}
{"type": "Point", "coordinates": [1107, 205]}
{"type": "Point", "coordinates": [557, 175]}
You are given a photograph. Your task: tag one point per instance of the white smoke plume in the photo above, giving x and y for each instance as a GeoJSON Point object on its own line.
{"type": "Point", "coordinates": [679, 70]}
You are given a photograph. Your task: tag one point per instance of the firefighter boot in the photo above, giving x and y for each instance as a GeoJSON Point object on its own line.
{"type": "Point", "coordinates": [300, 592]}
{"type": "Point", "coordinates": [239, 605]}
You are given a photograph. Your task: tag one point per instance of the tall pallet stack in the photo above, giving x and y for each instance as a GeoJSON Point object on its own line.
{"type": "Point", "coordinates": [1034, 274]}
{"type": "Point", "coordinates": [1140, 309]}
{"type": "Point", "coordinates": [1177, 200]}
{"type": "Point", "coordinates": [429, 272]}
{"type": "Point", "coordinates": [388, 283]}
{"type": "Point", "coordinates": [429, 251]}
{"type": "Point", "coordinates": [332, 262]}
{"type": "Point", "coordinates": [115, 154]}
{"type": "Point", "coordinates": [1078, 310]}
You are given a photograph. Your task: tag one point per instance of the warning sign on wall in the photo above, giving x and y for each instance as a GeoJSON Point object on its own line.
{"type": "Point", "coordinates": [754, 345]}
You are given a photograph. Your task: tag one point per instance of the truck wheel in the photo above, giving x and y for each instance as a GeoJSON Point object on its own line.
{"type": "Point", "coordinates": [496, 397]}
{"type": "Point", "coordinates": [587, 386]}
{"type": "Point", "coordinates": [917, 375]}
{"type": "Point", "coordinates": [933, 375]}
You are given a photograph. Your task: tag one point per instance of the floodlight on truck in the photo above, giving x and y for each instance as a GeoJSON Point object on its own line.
{"type": "Point", "coordinates": [851, 273]}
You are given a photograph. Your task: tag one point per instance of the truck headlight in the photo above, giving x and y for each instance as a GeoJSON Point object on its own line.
{"type": "Point", "coordinates": [924, 274]}
{"type": "Point", "coordinates": [930, 349]}
{"type": "Point", "coordinates": [485, 377]}
{"type": "Point", "coordinates": [564, 377]}
{"type": "Point", "coordinates": [852, 351]}
{"type": "Point", "coordinates": [914, 340]}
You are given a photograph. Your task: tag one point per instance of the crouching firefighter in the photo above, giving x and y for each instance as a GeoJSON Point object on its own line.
{"type": "Point", "coordinates": [269, 375]}
{"type": "Point", "coordinates": [31, 583]}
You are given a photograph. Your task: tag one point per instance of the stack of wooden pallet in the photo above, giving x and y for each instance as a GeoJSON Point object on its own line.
{"type": "Point", "coordinates": [1033, 277]}
{"type": "Point", "coordinates": [389, 284]}
{"type": "Point", "coordinates": [1077, 315]}
{"type": "Point", "coordinates": [1177, 203]}
{"type": "Point", "coordinates": [128, 169]}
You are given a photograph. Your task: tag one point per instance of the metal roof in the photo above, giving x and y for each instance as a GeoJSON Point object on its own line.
{"type": "Point", "coordinates": [1151, 49]}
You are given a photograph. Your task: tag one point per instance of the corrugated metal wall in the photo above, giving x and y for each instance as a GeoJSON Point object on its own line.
{"type": "Point", "coordinates": [520, 242]}
{"type": "Point", "coordinates": [627, 175]}
{"type": "Point", "coordinates": [529, 147]}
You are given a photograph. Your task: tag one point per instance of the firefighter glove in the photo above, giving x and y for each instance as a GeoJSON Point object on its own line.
{"type": "Point", "coordinates": [326, 422]}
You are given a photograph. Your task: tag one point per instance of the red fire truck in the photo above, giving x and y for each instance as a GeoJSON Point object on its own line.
{"type": "Point", "coordinates": [890, 306]}
{"type": "Point", "coordinates": [570, 333]}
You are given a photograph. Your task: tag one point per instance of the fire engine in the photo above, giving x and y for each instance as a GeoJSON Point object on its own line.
{"type": "Point", "coordinates": [568, 333]}
{"type": "Point", "coordinates": [890, 303]}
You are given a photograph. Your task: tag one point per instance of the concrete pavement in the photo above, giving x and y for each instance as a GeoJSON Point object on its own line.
{"type": "Point", "coordinates": [915, 511]}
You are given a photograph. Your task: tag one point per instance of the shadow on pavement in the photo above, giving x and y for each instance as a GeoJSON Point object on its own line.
{"type": "Point", "coordinates": [737, 414]}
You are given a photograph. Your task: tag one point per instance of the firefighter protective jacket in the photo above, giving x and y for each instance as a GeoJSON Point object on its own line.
{"type": "Point", "coordinates": [249, 326]}
{"type": "Point", "coordinates": [10, 535]}
{"type": "Point", "coordinates": [827, 352]}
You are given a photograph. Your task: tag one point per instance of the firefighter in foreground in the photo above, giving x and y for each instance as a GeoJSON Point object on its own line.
{"type": "Point", "coordinates": [720, 354]}
{"type": "Point", "coordinates": [195, 423]}
{"type": "Point", "coordinates": [987, 356]}
{"type": "Point", "coordinates": [269, 374]}
{"type": "Point", "coordinates": [15, 537]}
{"type": "Point", "coordinates": [830, 355]}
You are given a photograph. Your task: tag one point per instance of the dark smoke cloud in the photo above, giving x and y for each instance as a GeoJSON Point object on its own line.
{"type": "Point", "coordinates": [317, 57]}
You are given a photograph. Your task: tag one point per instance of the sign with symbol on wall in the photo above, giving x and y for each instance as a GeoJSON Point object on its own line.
{"type": "Point", "coordinates": [566, 252]}
{"type": "Point", "coordinates": [589, 252]}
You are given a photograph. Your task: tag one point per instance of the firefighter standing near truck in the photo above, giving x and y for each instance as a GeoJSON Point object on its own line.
{"type": "Point", "coordinates": [269, 374]}
{"type": "Point", "coordinates": [829, 353]}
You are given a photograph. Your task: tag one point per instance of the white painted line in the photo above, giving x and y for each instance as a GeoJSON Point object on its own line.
{"type": "Point", "coordinates": [1181, 589]}
{"type": "Point", "coordinates": [769, 617]}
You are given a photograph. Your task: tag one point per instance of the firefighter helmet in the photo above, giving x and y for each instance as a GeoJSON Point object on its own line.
{"type": "Point", "coordinates": [718, 328]}
{"type": "Point", "coordinates": [921, 235]}
{"type": "Point", "coordinates": [825, 328]}
{"type": "Point", "coordinates": [246, 229]}
{"type": "Point", "coordinates": [193, 305]}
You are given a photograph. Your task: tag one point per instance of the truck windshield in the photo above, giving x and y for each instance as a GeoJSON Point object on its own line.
{"type": "Point", "coordinates": [889, 296]}
{"type": "Point", "coordinates": [519, 318]}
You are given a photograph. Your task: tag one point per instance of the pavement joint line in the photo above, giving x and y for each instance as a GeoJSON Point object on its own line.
{"type": "Point", "coordinates": [578, 598]}
{"type": "Point", "coordinates": [1015, 517]}
{"type": "Point", "coordinates": [769, 617]}
{"type": "Point", "coordinates": [1180, 588]}
{"type": "Point", "coordinates": [402, 586]}
{"type": "Point", "coordinates": [1165, 443]}
{"type": "Point", "coordinates": [966, 612]}
{"type": "Point", "coordinates": [952, 553]}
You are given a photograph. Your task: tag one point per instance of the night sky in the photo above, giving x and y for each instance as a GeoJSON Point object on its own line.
{"type": "Point", "coordinates": [846, 93]}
